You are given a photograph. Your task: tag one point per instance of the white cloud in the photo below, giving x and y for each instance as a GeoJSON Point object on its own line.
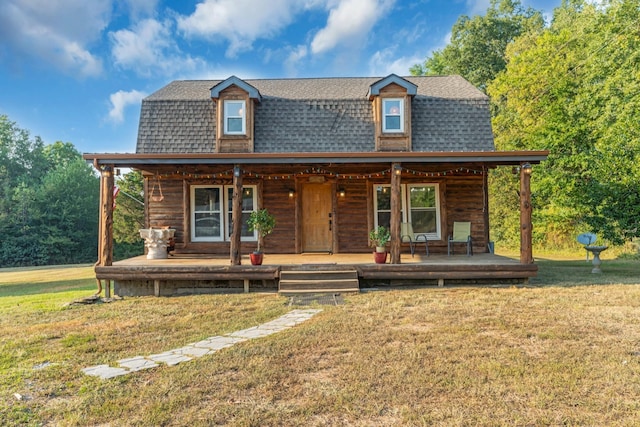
{"type": "Point", "coordinates": [139, 8]}
{"type": "Point", "coordinates": [141, 47]}
{"type": "Point", "coordinates": [383, 63]}
{"type": "Point", "coordinates": [349, 23]}
{"type": "Point", "coordinates": [56, 32]}
{"type": "Point", "coordinates": [148, 48]}
{"type": "Point", "coordinates": [240, 22]}
{"type": "Point", "coordinates": [120, 100]}
{"type": "Point", "coordinates": [297, 54]}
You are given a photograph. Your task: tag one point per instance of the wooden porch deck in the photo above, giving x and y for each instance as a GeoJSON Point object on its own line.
{"type": "Point", "coordinates": [207, 273]}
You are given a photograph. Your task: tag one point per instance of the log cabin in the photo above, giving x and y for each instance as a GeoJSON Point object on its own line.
{"type": "Point", "coordinates": [330, 159]}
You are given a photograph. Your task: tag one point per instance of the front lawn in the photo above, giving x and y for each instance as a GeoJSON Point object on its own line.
{"type": "Point", "coordinates": [563, 351]}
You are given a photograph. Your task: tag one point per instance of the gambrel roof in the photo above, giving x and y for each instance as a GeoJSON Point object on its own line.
{"type": "Point", "coordinates": [448, 114]}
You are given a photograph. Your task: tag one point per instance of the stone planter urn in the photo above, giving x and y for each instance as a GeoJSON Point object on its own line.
{"type": "Point", "coordinates": [595, 250]}
{"type": "Point", "coordinates": [156, 241]}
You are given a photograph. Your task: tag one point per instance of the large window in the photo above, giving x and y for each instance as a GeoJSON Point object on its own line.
{"type": "Point", "coordinates": [211, 212]}
{"type": "Point", "coordinates": [393, 115]}
{"type": "Point", "coordinates": [420, 207]}
{"type": "Point", "coordinates": [234, 118]}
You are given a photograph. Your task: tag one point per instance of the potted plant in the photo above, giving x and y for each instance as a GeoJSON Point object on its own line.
{"type": "Point", "coordinates": [263, 223]}
{"type": "Point", "coordinates": [379, 237]}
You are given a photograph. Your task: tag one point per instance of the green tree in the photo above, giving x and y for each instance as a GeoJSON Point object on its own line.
{"type": "Point", "coordinates": [68, 196]}
{"type": "Point", "coordinates": [128, 217]}
{"type": "Point", "coordinates": [48, 203]}
{"type": "Point", "coordinates": [60, 154]}
{"type": "Point", "coordinates": [478, 44]}
{"type": "Point", "coordinates": [574, 90]}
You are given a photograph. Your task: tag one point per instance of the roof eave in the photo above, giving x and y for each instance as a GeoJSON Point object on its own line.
{"type": "Point", "coordinates": [490, 157]}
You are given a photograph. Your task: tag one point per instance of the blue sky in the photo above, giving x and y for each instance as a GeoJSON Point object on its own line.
{"type": "Point", "coordinates": [76, 70]}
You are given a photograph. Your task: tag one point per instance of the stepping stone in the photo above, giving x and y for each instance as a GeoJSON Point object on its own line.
{"type": "Point", "coordinates": [137, 363]}
{"type": "Point", "coordinates": [192, 351]}
{"type": "Point", "coordinates": [251, 333]}
{"type": "Point", "coordinates": [105, 371]}
{"type": "Point", "coordinates": [169, 358]}
{"type": "Point", "coordinates": [218, 343]}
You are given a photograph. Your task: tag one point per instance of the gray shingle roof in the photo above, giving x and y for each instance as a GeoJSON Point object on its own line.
{"type": "Point", "coordinates": [317, 115]}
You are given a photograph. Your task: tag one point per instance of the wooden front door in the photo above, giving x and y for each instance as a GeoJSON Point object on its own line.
{"type": "Point", "coordinates": [317, 218]}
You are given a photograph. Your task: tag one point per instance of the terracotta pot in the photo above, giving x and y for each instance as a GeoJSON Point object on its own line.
{"type": "Point", "coordinates": [380, 257]}
{"type": "Point", "coordinates": [256, 258]}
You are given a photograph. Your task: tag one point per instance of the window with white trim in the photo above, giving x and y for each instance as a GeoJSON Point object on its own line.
{"type": "Point", "coordinates": [393, 115]}
{"type": "Point", "coordinates": [234, 117]}
{"type": "Point", "coordinates": [211, 212]}
{"type": "Point", "coordinates": [420, 207]}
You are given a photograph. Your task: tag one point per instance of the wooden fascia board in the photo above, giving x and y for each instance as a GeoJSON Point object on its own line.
{"type": "Point", "coordinates": [488, 157]}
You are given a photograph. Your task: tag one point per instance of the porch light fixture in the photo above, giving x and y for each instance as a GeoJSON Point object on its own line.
{"type": "Point", "coordinates": [341, 192]}
{"type": "Point", "coordinates": [397, 169]}
{"type": "Point", "coordinates": [236, 171]}
{"type": "Point", "coordinates": [292, 193]}
{"type": "Point", "coordinates": [527, 168]}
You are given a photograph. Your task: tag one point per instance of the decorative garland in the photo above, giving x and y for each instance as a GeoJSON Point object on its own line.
{"type": "Point", "coordinates": [319, 171]}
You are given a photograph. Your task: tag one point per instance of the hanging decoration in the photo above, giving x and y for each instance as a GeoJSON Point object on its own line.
{"type": "Point", "coordinates": [159, 197]}
{"type": "Point", "coordinates": [320, 171]}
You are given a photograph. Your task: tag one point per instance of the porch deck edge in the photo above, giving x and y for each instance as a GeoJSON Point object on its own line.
{"type": "Point", "coordinates": [416, 271]}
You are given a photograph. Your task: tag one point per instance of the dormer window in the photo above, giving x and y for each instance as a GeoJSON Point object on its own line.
{"type": "Point", "coordinates": [234, 117]}
{"type": "Point", "coordinates": [393, 111]}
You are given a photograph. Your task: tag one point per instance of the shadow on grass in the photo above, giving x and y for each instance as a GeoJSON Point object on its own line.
{"type": "Point", "coordinates": [578, 272]}
{"type": "Point", "coordinates": [22, 289]}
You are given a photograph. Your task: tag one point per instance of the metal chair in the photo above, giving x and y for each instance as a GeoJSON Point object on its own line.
{"type": "Point", "coordinates": [406, 232]}
{"type": "Point", "coordinates": [461, 234]}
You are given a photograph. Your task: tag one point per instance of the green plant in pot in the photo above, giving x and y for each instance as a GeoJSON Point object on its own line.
{"type": "Point", "coordinates": [379, 237]}
{"type": "Point", "coordinates": [262, 222]}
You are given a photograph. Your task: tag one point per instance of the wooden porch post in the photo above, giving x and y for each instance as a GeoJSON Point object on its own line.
{"type": "Point", "coordinates": [526, 251]}
{"type": "Point", "coordinates": [105, 245]}
{"type": "Point", "coordinates": [236, 216]}
{"type": "Point", "coordinates": [396, 214]}
{"type": "Point", "coordinates": [485, 209]}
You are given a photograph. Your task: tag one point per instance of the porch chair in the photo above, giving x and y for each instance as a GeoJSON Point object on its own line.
{"type": "Point", "coordinates": [461, 234]}
{"type": "Point", "coordinates": [406, 232]}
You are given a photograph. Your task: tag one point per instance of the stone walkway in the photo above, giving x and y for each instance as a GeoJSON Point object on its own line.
{"type": "Point", "coordinates": [201, 348]}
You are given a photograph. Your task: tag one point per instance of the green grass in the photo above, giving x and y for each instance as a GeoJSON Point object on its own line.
{"type": "Point", "coordinates": [563, 351]}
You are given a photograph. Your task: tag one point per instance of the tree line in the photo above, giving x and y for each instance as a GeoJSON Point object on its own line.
{"type": "Point", "coordinates": [570, 86]}
{"type": "Point", "coordinates": [49, 200]}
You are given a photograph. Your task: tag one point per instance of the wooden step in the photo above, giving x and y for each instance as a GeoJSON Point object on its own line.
{"type": "Point", "coordinates": [318, 281]}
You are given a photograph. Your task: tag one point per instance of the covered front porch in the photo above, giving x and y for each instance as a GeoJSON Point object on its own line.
{"type": "Point", "coordinates": [189, 274]}
{"type": "Point", "coordinates": [323, 203]}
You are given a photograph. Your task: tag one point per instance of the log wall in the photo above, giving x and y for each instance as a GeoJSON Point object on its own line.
{"type": "Point", "coordinates": [462, 198]}
{"type": "Point", "coordinates": [352, 217]}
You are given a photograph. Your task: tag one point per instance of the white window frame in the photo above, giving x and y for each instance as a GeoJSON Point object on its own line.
{"type": "Point", "coordinates": [242, 116]}
{"type": "Point", "coordinates": [406, 208]}
{"type": "Point", "coordinates": [223, 213]}
{"type": "Point", "coordinates": [400, 114]}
